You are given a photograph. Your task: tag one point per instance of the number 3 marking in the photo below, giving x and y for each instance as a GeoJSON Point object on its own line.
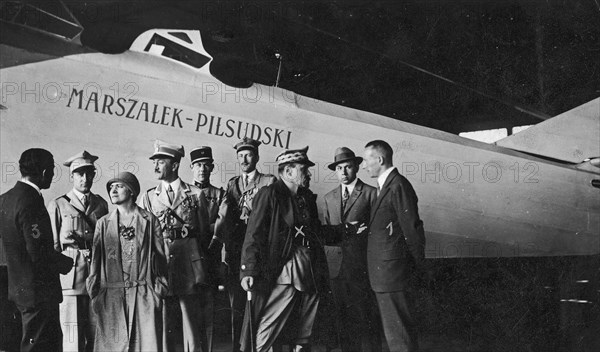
{"type": "Point", "coordinates": [36, 233]}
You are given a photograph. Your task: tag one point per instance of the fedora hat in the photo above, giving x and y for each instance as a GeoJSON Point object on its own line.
{"type": "Point", "coordinates": [343, 154]}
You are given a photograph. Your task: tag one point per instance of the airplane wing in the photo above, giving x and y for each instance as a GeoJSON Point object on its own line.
{"type": "Point", "coordinates": [573, 136]}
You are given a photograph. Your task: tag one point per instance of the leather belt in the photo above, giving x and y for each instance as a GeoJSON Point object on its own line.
{"type": "Point", "coordinates": [124, 284]}
{"type": "Point", "coordinates": [177, 234]}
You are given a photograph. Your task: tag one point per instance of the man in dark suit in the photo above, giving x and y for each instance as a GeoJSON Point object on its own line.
{"type": "Point", "coordinates": [396, 246]}
{"type": "Point", "coordinates": [351, 202]}
{"type": "Point", "coordinates": [33, 264]}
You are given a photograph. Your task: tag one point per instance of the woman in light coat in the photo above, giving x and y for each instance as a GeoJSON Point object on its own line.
{"type": "Point", "coordinates": [128, 273]}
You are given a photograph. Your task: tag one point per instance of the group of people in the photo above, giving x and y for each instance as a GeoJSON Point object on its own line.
{"type": "Point", "coordinates": [133, 276]}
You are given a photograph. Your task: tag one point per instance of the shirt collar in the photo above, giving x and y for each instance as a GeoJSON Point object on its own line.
{"type": "Point", "coordinates": [32, 185]}
{"type": "Point", "coordinates": [251, 175]}
{"type": "Point", "coordinates": [175, 185]}
{"type": "Point", "coordinates": [383, 177]}
{"type": "Point", "coordinates": [78, 194]}
{"type": "Point", "coordinates": [350, 186]}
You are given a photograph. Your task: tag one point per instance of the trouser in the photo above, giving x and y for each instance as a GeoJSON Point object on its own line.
{"type": "Point", "coordinates": [208, 315]}
{"type": "Point", "coordinates": [357, 319]}
{"type": "Point", "coordinates": [41, 328]}
{"type": "Point", "coordinates": [237, 304]}
{"type": "Point", "coordinates": [192, 323]}
{"type": "Point", "coordinates": [277, 310]}
{"type": "Point", "coordinates": [398, 322]}
{"type": "Point", "coordinates": [78, 323]}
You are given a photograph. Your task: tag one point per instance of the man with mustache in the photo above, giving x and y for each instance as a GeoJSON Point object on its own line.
{"type": "Point", "coordinates": [73, 217]}
{"type": "Point", "coordinates": [283, 263]}
{"type": "Point", "coordinates": [182, 211]}
{"type": "Point", "coordinates": [230, 226]}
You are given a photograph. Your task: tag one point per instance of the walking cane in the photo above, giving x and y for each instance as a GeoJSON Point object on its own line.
{"type": "Point", "coordinates": [250, 315]}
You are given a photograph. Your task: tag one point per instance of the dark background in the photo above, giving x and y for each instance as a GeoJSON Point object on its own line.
{"type": "Point", "coordinates": [451, 65]}
{"type": "Point", "coordinates": [541, 56]}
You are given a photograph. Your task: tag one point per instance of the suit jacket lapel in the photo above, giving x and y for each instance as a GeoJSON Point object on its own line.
{"type": "Point", "coordinates": [336, 212]}
{"type": "Point", "coordinates": [181, 194]}
{"type": "Point", "coordinates": [286, 208]}
{"type": "Point", "coordinates": [112, 242]}
{"type": "Point", "coordinates": [354, 196]}
{"type": "Point", "coordinates": [140, 224]}
{"type": "Point", "coordinates": [93, 201]}
{"type": "Point", "coordinates": [163, 197]}
{"type": "Point", "coordinates": [75, 201]}
{"type": "Point", "coordinates": [384, 190]}
{"type": "Point", "coordinates": [252, 183]}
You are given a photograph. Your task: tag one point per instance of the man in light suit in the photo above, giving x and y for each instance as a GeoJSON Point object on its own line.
{"type": "Point", "coordinates": [73, 217]}
{"type": "Point", "coordinates": [351, 202]}
{"type": "Point", "coordinates": [182, 211]}
{"type": "Point", "coordinates": [230, 227]}
{"type": "Point", "coordinates": [396, 246]}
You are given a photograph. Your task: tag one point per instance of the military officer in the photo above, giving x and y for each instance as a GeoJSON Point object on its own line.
{"type": "Point", "coordinates": [202, 167]}
{"type": "Point", "coordinates": [183, 213]}
{"type": "Point", "coordinates": [73, 217]}
{"type": "Point", "coordinates": [230, 227]}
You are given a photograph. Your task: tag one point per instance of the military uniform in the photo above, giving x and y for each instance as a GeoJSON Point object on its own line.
{"type": "Point", "coordinates": [73, 225]}
{"type": "Point", "coordinates": [214, 197]}
{"type": "Point", "coordinates": [230, 229]}
{"type": "Point", "coordinates": [184, 222]}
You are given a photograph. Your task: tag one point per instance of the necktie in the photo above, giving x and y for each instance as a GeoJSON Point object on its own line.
{"type": "Point", "coordinates": [378, 190]}
{"type": "Point", "coordinates": [171, 194]}
{"type": "Point", "coordinates": [345, 197]}
{"type": "Point", "coordinates": [245, 180]}
{"type": "Point", "coordinates": [85, 201]}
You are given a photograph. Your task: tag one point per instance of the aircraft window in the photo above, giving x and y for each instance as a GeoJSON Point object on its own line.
{"type": "Point", "coordinates": [165, 47]}
{"type": "Point", "coordinates": [596, 183]}
{"type": "Point", "coordinates": [486, 136]}
{"type": "Point", "coordinates": [183, 36]}
{"type": "Point", "coordinates": [48, 17]}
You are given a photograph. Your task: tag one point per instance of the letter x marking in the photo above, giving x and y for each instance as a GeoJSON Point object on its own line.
{"type": "Point", "coordinates": [299, 231]}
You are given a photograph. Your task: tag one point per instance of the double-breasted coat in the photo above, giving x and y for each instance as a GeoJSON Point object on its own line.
{"type": "Point", "coordinates": [186, 229]}
{"type": "Point", "coordinates": [108, 289]}
{"type": "Point", "coordinates": [68, 223]}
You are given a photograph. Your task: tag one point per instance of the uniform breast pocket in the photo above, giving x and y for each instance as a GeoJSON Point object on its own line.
{"type": "Point", "coordinates": [70, 222]}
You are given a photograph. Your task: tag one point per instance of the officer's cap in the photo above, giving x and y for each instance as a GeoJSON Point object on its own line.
{"type": "Point", "coordinates": [168, 150]}
{"type": "Point", "coordinates": [289, 156]}
{"type": "Point", "coordinates": [80, 160]}
{"type": "Point", "coordinates": [201, 154]}
{"type": "Point", "coordinates": [247, 144]}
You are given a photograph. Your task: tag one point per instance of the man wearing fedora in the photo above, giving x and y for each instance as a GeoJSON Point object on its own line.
{"type": "Point", "coordinates": [202, 167]}
{"type": "Point", "coordinates": [182, 211]}
{"type": "Point", "coordinates": [351, 202]}
{"type": "Point", "coordinates": [230, 227]}
{"type": "Point", "coordinates": [73, 217]}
